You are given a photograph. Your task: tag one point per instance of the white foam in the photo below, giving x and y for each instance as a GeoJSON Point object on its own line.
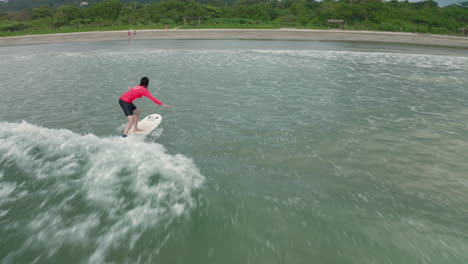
{"type": "Point", "coordinates": [417, 60]}
{"type": "Point", "coordinates": [3, 212]}
{"type": "Point", "coordinates": [135, 186]}
{"type": "Point", "coordinates": [6, 189]}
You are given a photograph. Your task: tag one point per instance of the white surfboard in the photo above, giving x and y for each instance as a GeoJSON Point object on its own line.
{"type": "Point", "coordinates": [147, 124]}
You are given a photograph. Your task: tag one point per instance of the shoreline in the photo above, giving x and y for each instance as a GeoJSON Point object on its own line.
{"type": "Point", "coordinates": [245, 34]}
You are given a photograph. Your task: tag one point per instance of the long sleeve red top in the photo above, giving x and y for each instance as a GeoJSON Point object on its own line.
{"type": "Point", "coordinates": [138, 92]}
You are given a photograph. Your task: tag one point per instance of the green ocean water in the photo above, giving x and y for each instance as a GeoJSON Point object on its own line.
{"type": "Point", "coordinates": [272, 152]}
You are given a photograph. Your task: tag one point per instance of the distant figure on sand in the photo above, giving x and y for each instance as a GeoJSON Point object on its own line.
{"type": "Point", "coordinates": [129, 34]}
{"type": "Point", "coordinates": [130, 110]}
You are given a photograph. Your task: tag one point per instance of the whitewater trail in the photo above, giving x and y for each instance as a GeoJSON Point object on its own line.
{"type": "Point", "coordinates": [83, 192]}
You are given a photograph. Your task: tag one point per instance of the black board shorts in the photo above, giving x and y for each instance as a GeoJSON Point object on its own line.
{"type": "Point", "coordinates": [127, 107]}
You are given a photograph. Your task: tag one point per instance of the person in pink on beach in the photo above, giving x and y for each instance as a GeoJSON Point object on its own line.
{"type": "Point", "coordinates": [130, 110]}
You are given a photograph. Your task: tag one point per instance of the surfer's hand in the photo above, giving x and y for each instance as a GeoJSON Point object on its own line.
{"type": "Point", "coordinates": [166, 106]}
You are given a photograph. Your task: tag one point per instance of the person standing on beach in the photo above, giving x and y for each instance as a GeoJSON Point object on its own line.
{"type": "Point", "coordinates": [129, 34]}
{"type": "Point", "coordinates": [130, 110]}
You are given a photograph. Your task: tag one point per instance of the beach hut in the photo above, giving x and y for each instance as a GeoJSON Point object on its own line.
{"type": "Point", "coordinates": [340, 22]}
{"type": "Point", "coordinates": [464, 31]}
{"type": "Point", "coordinates": [188, 19]}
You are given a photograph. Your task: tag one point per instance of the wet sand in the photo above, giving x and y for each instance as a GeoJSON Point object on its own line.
{"type": "Point", "coordinates": [244, 34]}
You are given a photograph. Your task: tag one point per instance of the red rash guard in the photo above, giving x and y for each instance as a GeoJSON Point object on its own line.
{"type": "Point", "coordinates": [138, 92]}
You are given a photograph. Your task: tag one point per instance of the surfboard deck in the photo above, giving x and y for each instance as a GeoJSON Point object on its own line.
{"type": "Point", "coordinates": [147, 124]}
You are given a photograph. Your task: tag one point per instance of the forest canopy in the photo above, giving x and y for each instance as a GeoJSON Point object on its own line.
{"type": "Point", "coordinates": [425, 16]}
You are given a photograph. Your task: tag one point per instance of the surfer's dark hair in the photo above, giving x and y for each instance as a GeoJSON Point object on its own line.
{"type": "Point", "coordinates": [144, 82]}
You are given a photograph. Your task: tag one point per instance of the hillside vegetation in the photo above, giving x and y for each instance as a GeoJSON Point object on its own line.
{"type": "Point", "coordinates": [424, 17]}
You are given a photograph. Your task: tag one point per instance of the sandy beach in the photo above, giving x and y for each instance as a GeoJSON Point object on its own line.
{"type": "Point", "coordinates": [244, 34]}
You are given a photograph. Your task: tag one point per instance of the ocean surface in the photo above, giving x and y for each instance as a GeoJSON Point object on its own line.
{"type": "Point", "coordinates": [272, 152]}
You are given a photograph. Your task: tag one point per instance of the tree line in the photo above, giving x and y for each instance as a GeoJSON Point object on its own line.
{"type": "Point", "coordinates": [425, 16]}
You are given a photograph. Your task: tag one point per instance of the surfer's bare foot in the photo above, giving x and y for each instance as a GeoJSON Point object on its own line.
{"type": "Point", "coordinates": [137, 129]}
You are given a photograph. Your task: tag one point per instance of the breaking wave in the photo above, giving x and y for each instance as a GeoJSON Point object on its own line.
{"type": "Point", "coordinates": [108, 196]}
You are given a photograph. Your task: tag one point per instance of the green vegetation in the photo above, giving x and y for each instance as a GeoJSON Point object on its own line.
{"type": "Point", "coordinates": [424, 17]}
{"type": "Point", "coordinates": [230, 26]}
{"type": "Point", "coordinates": [74, 29]}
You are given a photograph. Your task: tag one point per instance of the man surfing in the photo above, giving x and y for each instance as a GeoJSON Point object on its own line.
{"type": "Point", "coordinates": [130, 110]}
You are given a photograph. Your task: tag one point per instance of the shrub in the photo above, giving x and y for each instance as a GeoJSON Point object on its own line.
{"type": "Point", "coordinates": [287, 20]}
{"type": "Point", "coordinates": [20, 26]}
{"type": "Point", "coordinates": [388, 27]}
{"type": "Point", "coordinates": [167, 21]}
{"type": "Point", "coordinates": [415, 28]}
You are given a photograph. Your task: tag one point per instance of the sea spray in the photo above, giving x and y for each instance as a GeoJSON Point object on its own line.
{"type": "Point", "coordinates": [82, 192]}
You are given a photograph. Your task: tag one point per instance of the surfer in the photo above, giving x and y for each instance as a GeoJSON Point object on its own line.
{"type": "Point", "coordinates": [130, 110]}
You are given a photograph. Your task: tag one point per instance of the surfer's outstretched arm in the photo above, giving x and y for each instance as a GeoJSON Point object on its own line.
{"type": "Point", "coordinates": [154, 99]}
